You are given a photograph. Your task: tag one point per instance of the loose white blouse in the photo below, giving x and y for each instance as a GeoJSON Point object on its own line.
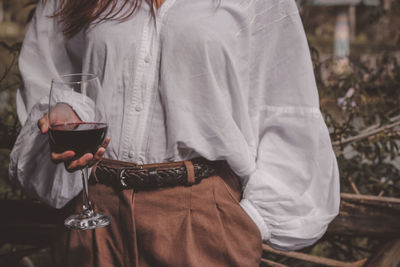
{"type": "Point", "coordinates": [226, 80]}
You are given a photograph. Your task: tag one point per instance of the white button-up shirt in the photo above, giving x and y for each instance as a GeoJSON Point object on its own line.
{"type": "Point", "coordinates": [229, 80]}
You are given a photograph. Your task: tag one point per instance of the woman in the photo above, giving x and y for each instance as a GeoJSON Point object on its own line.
{"type": "Point", "coordinates": [227, 81]}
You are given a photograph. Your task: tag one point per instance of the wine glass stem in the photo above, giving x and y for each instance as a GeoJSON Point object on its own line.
{"type": "Point", "coordinates": [87, 205]}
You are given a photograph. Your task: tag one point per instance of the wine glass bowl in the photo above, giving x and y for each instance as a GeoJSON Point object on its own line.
{"type": "Point", "coordinates": [78, 123]}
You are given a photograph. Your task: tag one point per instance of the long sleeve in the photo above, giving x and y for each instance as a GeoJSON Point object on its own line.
{"type": "Point", "coordinates": [294, 192]}
{"type": "Point", "coordinates": [43, 56]}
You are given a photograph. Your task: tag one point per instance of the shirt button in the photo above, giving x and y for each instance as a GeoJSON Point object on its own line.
{"type": "Point", "coordinates": [131, 154]}
{"type": "Point", "coordinates": [139, 107]}
{"type": "Point", "coordinates": [147, 59]}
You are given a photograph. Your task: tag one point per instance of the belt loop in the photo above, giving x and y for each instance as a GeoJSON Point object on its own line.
{"type": "Point", "coordinates": [190, 172]}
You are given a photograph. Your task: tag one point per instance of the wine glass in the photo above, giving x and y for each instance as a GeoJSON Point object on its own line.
{"type": "Point", "coordinates": [78, 122]}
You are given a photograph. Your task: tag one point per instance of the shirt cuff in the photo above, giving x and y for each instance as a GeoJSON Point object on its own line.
{"type": "Point", "coordinates": [256, 217]}
{"type": "Point", "coordinates": [83, 105]}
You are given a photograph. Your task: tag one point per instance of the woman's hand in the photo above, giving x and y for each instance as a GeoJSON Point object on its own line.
{"type": "Point", "coordinates": [66, 114]}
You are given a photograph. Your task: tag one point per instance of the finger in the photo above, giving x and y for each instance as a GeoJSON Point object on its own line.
{"type": "Point", "coordinates": [66, 155]}
{"type": "Point", "coordinates": [44, 129]}
{"type": "Point", "coordinates": [106, 142]}
{"type": "Point", "coordinates": [43, 124]}
{"type": "Point", "coordinates": [99, 154]}
{"type": "Point", "coordinates": [80, 163]}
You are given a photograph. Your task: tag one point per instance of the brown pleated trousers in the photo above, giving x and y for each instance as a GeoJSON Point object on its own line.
{"type": "Point", "coordinates": [199, 225]}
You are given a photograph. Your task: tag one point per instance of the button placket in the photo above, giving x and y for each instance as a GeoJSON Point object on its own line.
{"type": "Point", "coordinates": [139, 98]}
{"type": "Point", "coordinates": [131, 122]}
{"type": "Point", "coordinates": [153, 78]}
{"type": "Point", "coordinates": [138, 111]}
{"type": "Point", "coordinates": [147, 91]}
{"type": "Point", "coordinates": [140, 82]}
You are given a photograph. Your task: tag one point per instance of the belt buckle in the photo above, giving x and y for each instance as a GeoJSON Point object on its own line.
{"type": "Point", "coordinates": [122, 177]}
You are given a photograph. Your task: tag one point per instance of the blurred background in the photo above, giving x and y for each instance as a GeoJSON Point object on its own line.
{"type": "Point", "coordinates": [355, 47]}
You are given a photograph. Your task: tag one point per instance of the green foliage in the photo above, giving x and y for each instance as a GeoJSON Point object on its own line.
{"type": "Point", "coordinates": [9, 125]}
{"type": "Point", "coordinates": [373, 162]}
{"type": "Point", "coordinates": [10, 80]}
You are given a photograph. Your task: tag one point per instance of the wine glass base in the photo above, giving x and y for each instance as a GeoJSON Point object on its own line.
{"type": "Point", "coordinates": [85, 221]}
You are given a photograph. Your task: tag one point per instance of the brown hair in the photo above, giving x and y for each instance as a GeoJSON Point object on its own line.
{"type": "Point", "coordinates": [75, 15]}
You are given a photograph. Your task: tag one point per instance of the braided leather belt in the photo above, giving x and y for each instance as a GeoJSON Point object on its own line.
{"type": "Point", "coordinates": [126, 175]}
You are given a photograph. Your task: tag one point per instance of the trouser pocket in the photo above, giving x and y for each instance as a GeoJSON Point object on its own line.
{"type": "Point", "coordinates": [242, 230]}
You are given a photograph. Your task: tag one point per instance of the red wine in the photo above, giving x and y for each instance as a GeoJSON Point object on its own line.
{"type": "Point", "coordinates": [81, 137]}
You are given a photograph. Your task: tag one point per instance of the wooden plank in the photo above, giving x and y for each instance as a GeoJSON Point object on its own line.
{"type": "Point", "coordinates": [270, 263]}
{"type": "Point", "coordinates": [387, 202]}
{"type": "Point", "coordinates": [342, 2]}
{"type": "Point", "coordinates": [388, 256]}
{"type": "Point", "coordinates": [26, 211]}
{"type": "Point", "coordinates": [356, 219]}
{"type": "Point", "coordinates": [27, 222]}
{"type": "Point", "coordinates": [15, 256]}
{"type": "Point", "coordinates": [314, 259]}
{"type": "Point", "coordinates": [27, 234]}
